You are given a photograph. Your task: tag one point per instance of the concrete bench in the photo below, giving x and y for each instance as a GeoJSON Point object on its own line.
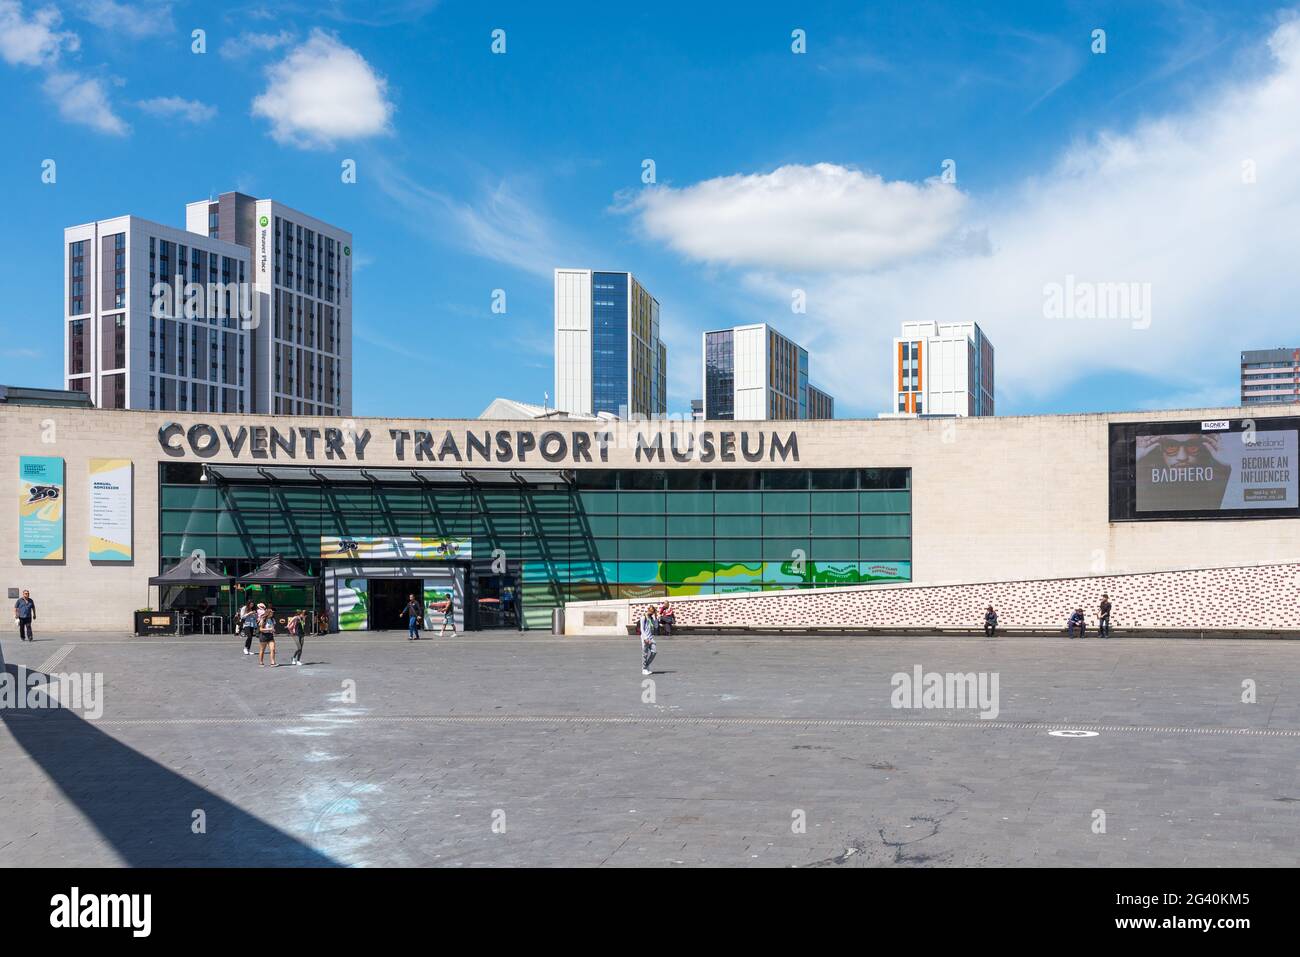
{"type": "Point", "coordinates": [977, 631]}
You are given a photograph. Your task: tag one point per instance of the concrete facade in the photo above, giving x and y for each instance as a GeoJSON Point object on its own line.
{"type": "Point", "coordinates": [994, 499]}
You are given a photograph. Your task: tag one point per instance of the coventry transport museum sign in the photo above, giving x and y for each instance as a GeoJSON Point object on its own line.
{"type": "Point", "coordinates": [301, 443]}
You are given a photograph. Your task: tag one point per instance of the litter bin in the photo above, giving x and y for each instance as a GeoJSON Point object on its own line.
{"type": "Point", "coordinates": [557, 621]}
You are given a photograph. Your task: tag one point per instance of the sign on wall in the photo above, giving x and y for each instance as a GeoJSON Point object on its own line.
{"type": "Point", "coordinates": [40, 508]}
{"type": "Point", "coordinates": [354, 604]}
{"type": "Point", "coordinates": [1205, 469]}
{"type": "Point", "coordinates": [422, 547]}
{"type": "Point", "coordinates": [110, 510]}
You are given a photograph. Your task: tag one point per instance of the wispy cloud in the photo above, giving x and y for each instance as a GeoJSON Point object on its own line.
{"type": "Point", "coordinates": [148, 19]}
{"type": "Point", "coordinates": [191, 111]}
{"type": "Point", "coordinates": [500, 225]}
{"type": "Point", "coordinates": [248, 44]}
{"type": "Point", "coordinates": [84, 100]}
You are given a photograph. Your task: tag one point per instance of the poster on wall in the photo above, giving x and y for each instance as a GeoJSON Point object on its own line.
{"type": "Point", "coordinates": [40, 508]}
{"type": "Point", "coordinates": [110, 510]}
{"type": "Point", "coordinates": [354, 604]}
{"type": "Point", "coordinates": [436, 592]}
{"type": "Point", "coordinates": [1209, 471]}
{"type": "Point", "coordinates": [423, 547]}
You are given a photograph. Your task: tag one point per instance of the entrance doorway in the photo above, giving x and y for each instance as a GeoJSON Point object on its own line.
{"type": "Point", "coordinates": [497, 598]}
{"type": "Point", "coordinates": [388, 598]}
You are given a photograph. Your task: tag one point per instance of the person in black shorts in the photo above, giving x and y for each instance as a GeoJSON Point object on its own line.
{"type": "Point", "coordinates": [266, 629]}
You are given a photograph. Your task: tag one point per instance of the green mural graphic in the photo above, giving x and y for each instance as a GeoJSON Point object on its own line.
{"type": "Point", "coordinates": [354, 604]}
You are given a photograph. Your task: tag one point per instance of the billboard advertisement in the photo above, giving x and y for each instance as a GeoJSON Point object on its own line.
{"type": "Point", "coordinates": [1242, 468]}
{"type": "Point", "coordinates": [1216, 471]}
{"type": "Point", "coordinates": [110, 510]}
{"type": "Point", "coordinates": [40, 508]}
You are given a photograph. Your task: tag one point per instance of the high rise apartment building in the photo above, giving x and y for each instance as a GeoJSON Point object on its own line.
{"type": "Point", "coordinates": [942, 368]}
{"type": "Point", "coordinates": [754, 372]}
{"type": "Point", "coordinates": [608, 353]}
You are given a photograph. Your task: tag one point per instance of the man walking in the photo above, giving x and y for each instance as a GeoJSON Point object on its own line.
{"type": "Point", "coordinates": [24, 615]}
{"type": "Point", "coordinates": [1103, 617]}
{"type": "Point", "coordinates": [413, 614]}
{"type": "Point", "coordinates": [648, 650]}
{"type": "Point", "coordinates": [448, 617]}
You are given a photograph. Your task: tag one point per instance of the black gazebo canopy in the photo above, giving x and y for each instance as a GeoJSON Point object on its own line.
{"type": "Point", "coordinates": [184, 573]}
{"type": "Point", "coordinates": [277, 571]}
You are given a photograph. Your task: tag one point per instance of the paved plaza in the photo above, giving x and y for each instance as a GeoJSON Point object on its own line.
{"type": "Point", "coordinates": [513, 750]}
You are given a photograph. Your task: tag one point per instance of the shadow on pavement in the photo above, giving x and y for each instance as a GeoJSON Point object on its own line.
{"type": "Point", "coordinates": [142, 809]}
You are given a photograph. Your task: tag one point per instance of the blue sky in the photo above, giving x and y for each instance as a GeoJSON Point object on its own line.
{"type": "Point", "coordinates": [775, 172]}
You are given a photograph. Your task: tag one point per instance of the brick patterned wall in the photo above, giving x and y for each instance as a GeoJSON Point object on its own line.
{"type": "Point", "coordinates": [1253, 597]}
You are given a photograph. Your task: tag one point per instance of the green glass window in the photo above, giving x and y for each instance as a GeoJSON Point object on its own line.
{"type": "Point", "coordinates": [601, 525]}
{"type": "Point", "coordinates": [880, 526]}
{"type": "Point", "coordinates": [641, 549]}
{"type": "Point", "coordinates": [598, 503]}
{"type": "Point", "coordinates": [641, 525]}
{"type": "Point", "coordinates": [197, 523]}
{"type": "Point", "coordinates": [788, 503]}
{"type": "Point", "coordinates": [844, 502]}
{"type": "Point", "coordinates": [643, 502]}
{"type": "Point", "coordinates": [738, 525]}
{"type": "Point", "coordinates": [690, 525]}
{"type": "Point", "coordinates": [188, 496]}
{"type": "Point", "coordinates": [737, 550]}
{"type": "Point", "coordinates": [693, 549]}
{"type": "Point", "coordinates": [835, 525]}
{"type": "Point", "coordinates": [731, 503]}
{"type": "Point", "coordinates": [884, 549]}
{"type": "Point", "coordinates": [690, 503]}
{"type": "Point", "coordinates": [785, 525]}
{"type": "Point", "coordinates": [834, 550]}
{"type": "Point", "coordinates": [885, 502]}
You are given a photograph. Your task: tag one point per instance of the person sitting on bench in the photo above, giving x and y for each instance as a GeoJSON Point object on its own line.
{"type": "Point", "coordinates": [1076, 623]}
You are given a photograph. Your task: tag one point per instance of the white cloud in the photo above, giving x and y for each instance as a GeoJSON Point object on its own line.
{"type": "Point", "coordinates": [321, 92]}
{"type": "Point", "coordinates": [1162, 202]}
{"type": "Point", "coordinates": [822, 217]}
{"type": "Point", "coordinates": [84, 100]}
{"type": "Point", "coordinates": [35, 40]}
{"type": "Point", "coordinates": [191, 111]}
{"type": "Point", "coordinates": [132, 19]}
{"type": "Point", "coordinates": [247, 44]}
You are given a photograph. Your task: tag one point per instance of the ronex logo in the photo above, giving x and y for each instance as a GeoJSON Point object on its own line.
{"type": "Point", "coordinates": [944, 691]}
{"type": "Point", "coordinates": [103, 910]}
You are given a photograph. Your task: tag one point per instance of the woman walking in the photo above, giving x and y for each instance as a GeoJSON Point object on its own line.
{"type": "Point", "coordinates": [298, 628]}
{"type": "Point", "coordinates": [266, 625]}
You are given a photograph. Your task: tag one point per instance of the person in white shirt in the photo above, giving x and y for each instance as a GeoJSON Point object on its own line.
{"type": "Point", "coordinates": [649, 622]}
